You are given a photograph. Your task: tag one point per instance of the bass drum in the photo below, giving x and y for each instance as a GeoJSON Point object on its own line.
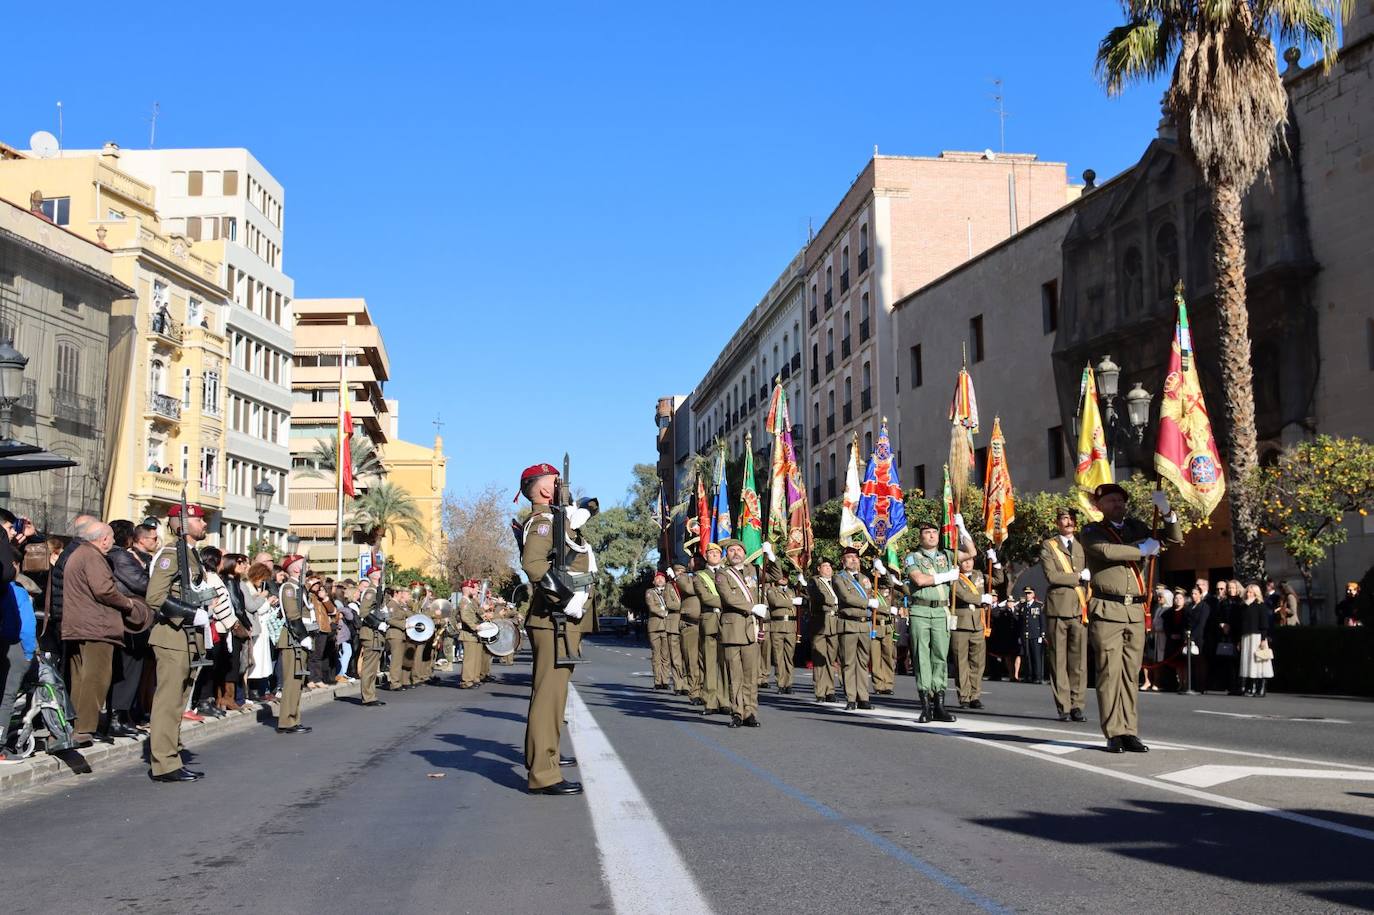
{"type": "Point", "coordinates": [507, 641]}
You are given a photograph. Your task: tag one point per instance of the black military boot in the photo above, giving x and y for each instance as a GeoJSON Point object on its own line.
{"type": "Point", "coordinates": [925, 709]}
{"type": "Point", "coordinates": [940, 713]}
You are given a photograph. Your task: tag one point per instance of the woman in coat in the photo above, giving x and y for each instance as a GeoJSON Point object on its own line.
{"type": "Point", "coordinates": [1253, 622]}
{"type": "Point", "coordinates": [262, 607]}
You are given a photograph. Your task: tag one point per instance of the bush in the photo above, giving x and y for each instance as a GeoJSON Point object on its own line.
{"type": "Point", "coordinates": [1324, 659]}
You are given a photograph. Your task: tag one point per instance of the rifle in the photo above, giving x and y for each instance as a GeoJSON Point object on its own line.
{"type": "Point", "coordinates": [182, 609]}
{"type": "Point", "coordinates": [560, 583]}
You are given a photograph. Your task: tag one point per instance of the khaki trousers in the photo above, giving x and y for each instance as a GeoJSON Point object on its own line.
{"type": "Point", "coordinates": [765, 654]}
{"type": "Point", "coordinates": [712, 676]}
{"type": "Point", "coordinates": [91, 664]}
{"type": "Point", "coordinates": [854, 663]}
{"type": "Point", "coordinates": [289, 709]}
{"type": "Point", "coordinates": [782, 636]}
{"type": "Point", "coordinates": [369, 666]}
{"type": "Point", "coordinates": [660, 660]}
{"type": "Point", "coordinates": [742, 664]}
{"type": "Point", "coordinates": [486, 663]}
{"type": "Point", "coordinates": [548, 699]}
{"type": "Point", "coordinates": [170, 699]}
{"type": "Point", "coordinates": [884, 658]}
{"type": "Point", "coordinates": [401, 671]}
{"type": "Point", "coordinates": [1067, 647]}
{"type": "Point", "coordinates": [823, 651]}
{"type": "Point", "coordinates": [1117, 652]}
{"type": "Point", "coordinates": [691, 657]}
{"type": "Point", "coordinates": [473, 652]}
{"type": "Point", "coordinates": [675, 663]}
{"type": "Point", "coordinates": [970, 657]}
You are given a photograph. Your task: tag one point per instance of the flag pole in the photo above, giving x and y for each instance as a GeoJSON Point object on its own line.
{"type": "Point", "coordinates": [339, 467]}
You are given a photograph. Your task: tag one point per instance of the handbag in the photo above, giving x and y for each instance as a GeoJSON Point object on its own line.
{"type": "Point", "coordinates": [1226, 649]}
{"type": "Point", "coordinates": [1264, 653]}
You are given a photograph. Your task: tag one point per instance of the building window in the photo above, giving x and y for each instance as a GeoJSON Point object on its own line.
{"type": "Point", "coordinates": [917, 370]}
{"type": "Point", "coordinates": [231, 183]}
{"type": "Point", "coordinates": [975, 338]}
{"type": "Point", "coordinates": [1054, 442]}
{"type": "Point", "coordinates": [68, 368]}
{"type": "Point", "coordinates": [70, 302]}
{"type": "Point", "coordinates": [868, 443]}
{"type": "Point", "coordinates": [195, 184]}
{"type": "Point", "coordinates": [980, 465]}
{"type": "Point", "coordinates": [918, 478]}
{"type": "Point", "coordinates": [186, 388]}
{"type": "Point", "coordinates": [1049, 306]}
{"type": "Point", "coordinates": [58, 210]}
{"type": "Point", "coordinates": [210, 393]}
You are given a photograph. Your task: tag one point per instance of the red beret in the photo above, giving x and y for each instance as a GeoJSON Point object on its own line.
{"type": "Point", "coordinates": [533, 471]}
{"type": "Point", "coordinates": [471, 583]}
{"type": "Point", "coordinates": [192, 511]}
{"type": "Point", "coordinates": [287, 561]}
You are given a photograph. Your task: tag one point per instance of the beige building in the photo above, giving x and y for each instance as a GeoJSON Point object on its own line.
{"type": "Point", "coordinates": [168, 351]}
{"type": "Point", "coordinates": [56, 295]}
{"type": "Point", "coordinates": [904, 221]}
{"type": "Point", "coordinates": [422, 473]}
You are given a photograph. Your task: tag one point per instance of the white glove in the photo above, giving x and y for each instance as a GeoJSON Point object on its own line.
{"type": "Point", "coordinates": [768, 551]}
{"type": "Point", "coordinates": [1149, 547]}
{"type": "Point", "coordinates": [944, 578]}
{"type": "Point", "coordinates": [576, 604]}
{"type": "Point", "coordinates": [1085, 575]}
{"type": "Point", "coordinates": [1161, 500]}
{"type": "Point", "coordinates": [796, 601]}
{"type": "Point", "coordinates": [959, 522]}
{"type": "Point", "coordinates": [987, 600]}
{"type": "Point", "coordinates": [760, 610]}
{"type": "Point", "coordinates": [201, 617]}
{"type": "Point", "coordinates": [878, 566]}
{"type": "Point", "coordinates": [671, 574]}
{"type": "Point", "coordinates": [873, 603]}
{"type": "Point", "coordinates": [801, 579]}
{"type": "Point", "coordinates": [308, 643]}
{"type": "Point", "coordinates": [382, 627]}
{"type": "Point", "coordinates": [992, 555]}
{"type": "Point", "coordinates": [716, 611]}
{"type": "Point", "coordinates": [578, 517]}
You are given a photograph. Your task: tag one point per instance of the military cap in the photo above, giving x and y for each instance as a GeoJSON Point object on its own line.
{"type": "Point", "coordinates": [850, 551]}
{"type": "Point", "coordinates": [192, 511]}
{"type": "Point", "coordinates": [1106, 489]}
{"type": "Point", "coordinates": [729, 542]}
{"type": "Point", "coordinates": [927, 525]}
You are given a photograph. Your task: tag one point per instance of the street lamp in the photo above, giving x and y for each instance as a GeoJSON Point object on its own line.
{"type": "Point", "coordinates": [12, 364]}
{"type": "Point", "coordinates": [1137, 402]}
{"type": "Point", "coordinates": [262, 501]}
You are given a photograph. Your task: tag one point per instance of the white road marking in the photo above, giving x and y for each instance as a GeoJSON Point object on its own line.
{"type": "Point", "coordinates": [1309, 720]}
{"type": "Point", "coordinates": [1210, 776]}
{"type": "Point", "coordinates": [639, 863]}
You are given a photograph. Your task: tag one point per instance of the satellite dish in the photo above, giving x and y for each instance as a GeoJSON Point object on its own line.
{"type": "Point", "coordinates": [989, 155]}
{"type": "Point", "coordinates": [43, 144]}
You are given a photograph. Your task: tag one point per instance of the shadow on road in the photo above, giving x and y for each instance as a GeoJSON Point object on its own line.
{"type": "Point", "coordinates": [499, 763]}
{"type": "Point", "coordinates": [645, 702]}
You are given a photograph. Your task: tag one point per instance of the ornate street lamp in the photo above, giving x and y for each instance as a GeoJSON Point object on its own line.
{"type": "Point", "coordinates": [1137, 403]}
{"type": "Point", "coordinates": [262, 501]}
{"type": "Point", "coordinates": [12, 364]}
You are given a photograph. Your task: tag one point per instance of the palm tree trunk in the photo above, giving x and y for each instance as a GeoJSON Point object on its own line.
{"type": "Point", "coordinates": [1237, 376]}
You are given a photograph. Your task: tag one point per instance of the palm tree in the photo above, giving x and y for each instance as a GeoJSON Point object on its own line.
{"type": "Point", "coordinates": [386, 508]}
{"type": "Point", "coordinates": [1229, 104]}
{"type": "Point", "coordinates": [366, 461]}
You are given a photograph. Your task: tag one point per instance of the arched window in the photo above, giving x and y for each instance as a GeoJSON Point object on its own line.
{"type": "Point", "coordinates": [157, 377]}
{"type": "Point", "coordinates": [848, 391]}
{"type": "Point", "coordinates": [1132, 280]}
{"type": "Point", "coordinates": [68, 368]}
{"type": "Point", "coordinates": [830, 403]}
{"type": "Point", "coordinates": [1166, 261]}
{"type": "Point", "coordinates": [867, 376]}
{"type": "Point", "coordinates": [868, 444]}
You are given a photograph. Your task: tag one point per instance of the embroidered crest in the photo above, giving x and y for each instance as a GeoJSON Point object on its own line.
{"type": "Point", "coordinates": [542, 530]}
{"type": "Point", "coordinates": [165, 563]}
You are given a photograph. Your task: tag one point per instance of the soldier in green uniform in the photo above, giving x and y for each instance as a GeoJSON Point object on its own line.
{"type": "Point", "coordinates": [972, 596]}
{"type": "Point", "coordinates": [175, 642]}
{"type": "Point", "coordinates": [715, 698]}
{"type": "Point", "coordinates": [884, 628]}
{"type": "Point", "coordinates": [470, 617]}
{"type": "Point", "coordinates": [659, 658]}
{"type": "Point", "coordinates": [782, 625]}
{"type": "Point", "coordinates": [690, 612]}
{"type": "Point", "coordinates": [371, 636]}
{"type": "Point", "coordinates": [931, 572]}
{"type": "Point", "coordinates": [855, 607]}
{"type": "Point", "coordinates": [293, 643]}
{"type": "Point", "coordinates": [401, 670]}
{"type": "Point", "coordinates": [674, 628]}
{"type": "Point", "coordinates": [825, 631]}
{"type": "Point", "coordinates": [549, 685]}
{"type": "Point", "coordinates": [742, 606]}
{"type": "Point", "coordinates": [1116, 549]}
{"type": "Point", "coordinates": [1066, 609]}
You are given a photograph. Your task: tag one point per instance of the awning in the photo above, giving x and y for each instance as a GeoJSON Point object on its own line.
{"type": "Point", "coordinates": [34, 462]}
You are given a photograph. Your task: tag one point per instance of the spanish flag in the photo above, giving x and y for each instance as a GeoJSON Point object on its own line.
{"type": "Point", "coordinates": [1092, 468]}
{"type": "Point", "coordinates": [344, 461]}
{"type": "Point", "coordinates": [1186, 454]}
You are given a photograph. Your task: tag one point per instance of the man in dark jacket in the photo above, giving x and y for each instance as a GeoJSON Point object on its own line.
{"type": "Point", "coordinates": [129, 563]}
{"type": "Point", "coordinates": [93, 611]}
{"type": "Point", "coordinates": [51, 634]}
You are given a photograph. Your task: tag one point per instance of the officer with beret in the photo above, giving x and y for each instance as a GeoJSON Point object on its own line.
{"type": "Point", "coordinates": [660, 659]}
{"type": "Point", "coordinates": [973, 599]}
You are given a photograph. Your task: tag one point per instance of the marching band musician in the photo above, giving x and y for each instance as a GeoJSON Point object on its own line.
{"type": "Point", "coordinates": [856, 608]}
{"type": "Point", "coordinates": [782, 626]}
{"type": "Point", "coordinates": [401, 671]}
{"type": "Point", "coordinates": [660, 659]}
{"type": "Point", "coordinates": [973, 597]}
{"type": "Point", "coordinates": [470, 616]}
{"type": "Point", "coordinates": [371, 636]}
{"type": "Point", "coordinates": [741, 606]}
{"type": "Point", "coordinates": [825, 631]}
{"type": "Point", "coordinates": [1066, 608]}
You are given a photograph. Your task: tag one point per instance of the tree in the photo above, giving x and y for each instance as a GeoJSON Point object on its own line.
{"type": "Point", "coordinates": [1305, 497]}
{"type": "Point", "coordinates": [1228, 101]}
{"type": "Point", "coordinates": [323, 460]}
{"type": "Point", "coordinates": [625, 537]}
{"type": "Point", "coordinates": [385, 509]}
{"type": "Point", "coordinates": [480, 542]}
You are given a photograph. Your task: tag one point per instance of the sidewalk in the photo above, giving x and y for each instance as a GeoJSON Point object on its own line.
{"type": "Point", "coordinates": [41, 768]}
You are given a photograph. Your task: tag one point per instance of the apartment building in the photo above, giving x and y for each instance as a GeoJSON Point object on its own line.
{"type": "Point", "coordinates": [422, 473]}
{"type": "Point", "coordinates": [904, 221]}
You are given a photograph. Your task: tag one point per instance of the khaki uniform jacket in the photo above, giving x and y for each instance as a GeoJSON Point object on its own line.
{"type": "Point", "coordinates": [537, 558]}
{"type": "Point", "coordinates": [470, 617]}
{"type": "Point", "coordinates": [968, 602]}
{"type": "Point", "coordinates": [691, 604]}
{"type": "Point", "coordinates": [1115, 563]}
{"type": "Point", "coordinates": [778, 597]}
{"type": "Point", "coordinates": [368, 637]}
{"type": "Point", "coordinates": [853, 593]}
{"type": "Point", "coordinates": [1061, 600]}
{"type": "Point", "coordinates": [290, 598]}
{"type": "Point", "coordinates": [674, 602]}
{"type": "Point", "coordinates": [164, 581]}
{"type": "Point", "coordinates": [658, 609]}
{"type": "Point", "coordinates": [739, 593]}
{"type": "Point", "coordinates": [707, 591]}
{"type": "Point", "coordinates": [825, 604]}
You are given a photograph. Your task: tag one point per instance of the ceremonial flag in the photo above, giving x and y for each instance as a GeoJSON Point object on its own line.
{"type": "Point", "coordinates": [344, 459]}
{"type": "Point", "coordinates": [1186, 454]}
{"type": "Point", "coordinates": [750, 523]}
{"type": "Point", "coordinates": [949, 531]}
{"type": "Point", "coordinates": [999, 505]}
{"type": "Point", "coordinates": [963, 420]}
{"type": "Point", "coordinates": [703, 518]}
{"type": "Point", "coordinates": [720, 512]}
{"type": "Point", "coordinates": [881, 510]}
{"type": "Point", "coordinates": [789, 519]}
{"type": "Point", "coordinates": [1091, 469]}
{"type": "Point", "coordinates": [850, 525]}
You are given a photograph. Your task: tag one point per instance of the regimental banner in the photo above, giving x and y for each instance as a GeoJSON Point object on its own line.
{"type": "Point", "coordinates": [999, 503]}
{"type": "Point", "coordinates": [881, 510]}
{"type": "Point", "coordinates": [750, 523]}
{"type": "Point", "coordinates": [1091, 467]}
{"type": "Point", "coordinates": [789, 517]}
{"type": "Point", "coordinates": [852, 530]}
{"type": "Point", "coordinates": [1186, 454]}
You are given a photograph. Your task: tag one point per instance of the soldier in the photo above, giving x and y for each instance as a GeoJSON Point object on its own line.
{"type": "Point", "coordinates": [675, 666]}
{"type": "Point", "coordinates": [741, 603]}
{"type": "Point", "coordinates": [470, 617]}
{"type": "Point", "coordinates": [690, 612]}
{"type": "Point", "coordinates": [1116, 549]}
{"type": "Point", "coordinates": [782, 625]}
{"type": "Point", "coordinates": [884, 644]}
{"type": "Point", "coordinates": [932, 571]}
{"type": "Point", "coordinates": [294, 644]}
{"type": "Point", "coordinates": [657, 603]}
{"type": "Point", "coordinates": [825, 631]}
{"type": "Point", "coordinates": [549, 683]}
{"type": "Point", "coordinates": [401, 671]}
{"type": "Point", "coordinates": [175, 643]}
{"type": "Point", "coordinates": [973, 599]}
{"type": "Point", "coordinates": [715, 699]}
{"type": "Point", "coordinates": [856, 607]}
{"type": "Point", "coordinates": [1066, 608]}
{"type": "Point", "coordinates": [371, 636]}
{"type": "Point", "coordinates": [765, 627]}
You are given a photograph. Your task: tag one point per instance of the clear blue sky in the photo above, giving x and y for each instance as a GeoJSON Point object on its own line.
{"type": "Point", "coordinates": [559, 212]}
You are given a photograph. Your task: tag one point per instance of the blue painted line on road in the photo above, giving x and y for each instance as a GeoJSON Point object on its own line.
{"type": "Point", "coordinates": [888, 847]}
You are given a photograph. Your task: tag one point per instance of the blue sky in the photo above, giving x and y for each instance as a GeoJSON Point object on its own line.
{"type": "Point", "coordinates": [559, 212]}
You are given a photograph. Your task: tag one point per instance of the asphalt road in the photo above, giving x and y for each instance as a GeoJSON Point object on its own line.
{"type": "Point", "coordinates": [818, 810]}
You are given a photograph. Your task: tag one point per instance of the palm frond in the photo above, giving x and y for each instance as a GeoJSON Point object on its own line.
{"type": "Point", "coordinates": [1137, 50]}
{"type": "Point", "coordinates": [1309, 25]}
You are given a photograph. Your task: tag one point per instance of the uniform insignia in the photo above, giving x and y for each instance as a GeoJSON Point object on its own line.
{"type": "Point", "coordinates": [542, 530]}
{"type": "Point", "coordinates": [165, 563]}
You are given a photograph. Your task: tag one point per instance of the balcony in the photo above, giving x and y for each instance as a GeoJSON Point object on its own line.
{"type": "Point", "coordinates": [866, 400]}
{"type": "Point", "coordinates": [796, 361]}
{"type": "Point", "coordinates": [829, 299]}
{"type": "Point", "coordinates": [812, 315]}
{"type": "Point", "coordinates": [164, 406]}
{"type": "Point", "coordinates": [753, 402]}
{"type": "Point", "coordinates": [845, 349]}
{"type": "Point", "coordinates": [863, 330]}
{"type": "Point", "coordinates": [844, 282]}
{"type": "Point", "coordinates": [848, 412]}
{"type": "Point", "coordinates": [78, 409]}
{"type": "Point", "coordinates": [863, 260]}
{"type": "Point", "coordinates": [29, 399]}
{"type": "Point", "coordinates": [829, 362]}
{"type": "Point", "coordinates": [815, 376]}
{"type": "Point", "coordinates": [167, 328]}
{"type": "Point", "coordinates": [830, 424]}
{"type": "Point", "coordinates": [162, 487]}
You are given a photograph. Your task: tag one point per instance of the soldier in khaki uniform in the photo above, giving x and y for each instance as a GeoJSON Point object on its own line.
{"type": "Point", "coordinates": [972, 598]}
{"type": "Point", "coordinates": [714, 695]}
{"type": "Point", "coordinates": [782, 624]}
{"type": "Point", "coordinates": [825, 631]}
{"type": "Point", "coordinates": [742, 606]}
{"type": "Point", "coordinates": [931, 572]}
{"type": "Point", "coordinates": [401, 671]}
{"type": "Point", "coordinates": [470, 617]}
{"type": "Point", "coordinates": [660, 659]}
{"type": "Point", "coordinates": [856, 606]}
{"type": "Point", "coordinates": [371, 637]}
{"type": "Point", "coordinates": [765, 640]}
{"type": "Point", "coordinates": [675, 665]}
{"type": "Point", "coordinates": [1066, 609]}
{"type": "Point", "coordinates": [1117, 548]}
{"type": "Point", "coordinates": [294, 645]}
{"type": "Point", "coordinates": [549, 684]}
{"type": "Point", "coordinates": [175, 643]}
{"type": "Point", "coordinates": [690, 612]}
{"type": "Point", "coordinates": [884, 649]}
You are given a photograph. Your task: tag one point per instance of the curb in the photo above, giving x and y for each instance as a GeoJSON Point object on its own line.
{"type": "Point", "coordinates": [42, 769]}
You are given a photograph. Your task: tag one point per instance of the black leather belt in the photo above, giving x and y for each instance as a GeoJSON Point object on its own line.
{"type": "Point", "coordinates": [1127, 599]}
{"type": "Point", "coordinates": [687, 622]}
{"type": "Point", "coordinates": [926, 603]}
{"type": "Point", "coordinates": [782, 619]}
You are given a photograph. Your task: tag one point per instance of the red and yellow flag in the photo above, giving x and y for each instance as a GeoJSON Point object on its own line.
{"type": "Point", "coordinates": [344, 459]}
{"type": "Point", "coordinates": [999, 504]}
{"type": "Point", "coordinates": [1091, 467]}
{"type": "Point", "coordinates": [1186, 454]}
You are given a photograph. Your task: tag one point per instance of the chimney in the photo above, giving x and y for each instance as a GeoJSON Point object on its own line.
{"type": "Point", "coordinates": [109, 154]}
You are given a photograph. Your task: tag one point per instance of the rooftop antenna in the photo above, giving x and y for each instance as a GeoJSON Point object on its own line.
{"type": "Point", "coordinates": [438, 425]}
{"type": "Point", "coordinates": [59, 124]}
{"type": "Point", "coordinates": [152, 126]}
{"type": "Point", "coordinates": [1002, 115]}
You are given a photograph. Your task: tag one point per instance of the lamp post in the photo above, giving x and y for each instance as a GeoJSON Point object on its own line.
{"type": "Point", "coordinates": [1136, 401]}
{"type": "Point", "coordinates": [12, 364]}
{"type": "Point", "coordinates": [262, 501]}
